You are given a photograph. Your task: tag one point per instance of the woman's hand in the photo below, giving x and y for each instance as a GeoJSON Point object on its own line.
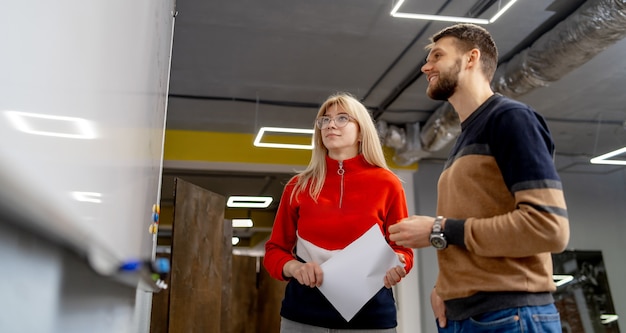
{"type": "Point", "coordinates": [308, 274]}
{"type": "Point", "coordinates": [395, 274]}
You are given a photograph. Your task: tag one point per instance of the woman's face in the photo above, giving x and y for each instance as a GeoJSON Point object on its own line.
{"type": "Point", "coordinates": [340, 140]}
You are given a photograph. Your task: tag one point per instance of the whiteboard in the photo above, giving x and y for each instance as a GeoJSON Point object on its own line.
{"type": "Point", "coordinates": [83, 95]}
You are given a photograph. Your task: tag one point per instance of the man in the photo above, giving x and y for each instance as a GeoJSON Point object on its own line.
{"type": "Point", "coordinates": [501, 207]}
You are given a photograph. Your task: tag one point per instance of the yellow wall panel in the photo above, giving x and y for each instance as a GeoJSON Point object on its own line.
{"type": "Point", "coordinates": [239, 148]}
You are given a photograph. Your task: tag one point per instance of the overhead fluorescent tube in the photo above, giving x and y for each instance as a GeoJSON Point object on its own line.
{"type": "Point", "coordinates": [605, 159]}
{"type": "Point", "coordinates": [459, 19]}
{"type": "Point", "coordinates": [248, 202]}
{"type": "Point", "coordinates": [242, 223]}
{"type": "Point", "coordinates": [258, 140]}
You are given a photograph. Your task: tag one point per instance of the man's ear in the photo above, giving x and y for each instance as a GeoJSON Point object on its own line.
{"type": "Point", "coordinates": [473, 57]}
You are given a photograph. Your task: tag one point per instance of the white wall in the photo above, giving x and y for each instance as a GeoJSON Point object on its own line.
{"type": "Point", "coordinates": [407, 292]}
{"type": "Point", "coordinates": [425, 182]}
{"type": "Point", "coordinates": [597, 213]}
{"type": "Point", "coordinates": [83, 99]}
{"type": "Point", "coordinates": [47, 288]}
{"type": "Point", "coordinates": [597, 210]}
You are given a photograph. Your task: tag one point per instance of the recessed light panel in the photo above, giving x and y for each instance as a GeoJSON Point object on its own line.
{"type": "Point", "coordinates": [458, 19]}
{"type": "Point", "coordinates": [248, 202]}
{"type": "Point", "coordinates": [260, 142]}
{"type": "Point", "coordinates": [242, 223]}
{"type": "Point", "coordinates": [615, 155]}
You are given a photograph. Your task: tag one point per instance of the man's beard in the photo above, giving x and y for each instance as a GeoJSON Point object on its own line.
{"type": "Point", "coordinates": [446, 83]}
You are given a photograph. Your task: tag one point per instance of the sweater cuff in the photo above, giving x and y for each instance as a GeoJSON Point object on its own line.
{"type": "Point", "coordinates": [455, 232]}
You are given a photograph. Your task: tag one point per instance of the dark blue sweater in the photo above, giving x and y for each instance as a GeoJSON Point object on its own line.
{"type": "Point", "coordinates": [309, 306]}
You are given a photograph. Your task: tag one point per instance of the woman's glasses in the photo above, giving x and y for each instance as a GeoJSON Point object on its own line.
{"type": "Point", "coordinates": [340, 121]}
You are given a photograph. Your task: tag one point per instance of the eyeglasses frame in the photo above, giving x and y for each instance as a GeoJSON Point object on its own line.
{"type": "Point", "coordinates": [317, 121]}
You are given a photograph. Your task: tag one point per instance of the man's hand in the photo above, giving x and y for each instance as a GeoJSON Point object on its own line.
{"type": "Point", "coordinates": [439, 309]}
{"type": "Point", "coordinates": [413, 231]}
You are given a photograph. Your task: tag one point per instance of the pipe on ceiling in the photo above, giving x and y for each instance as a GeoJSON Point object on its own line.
{"type": "Point", "coordinates": [592, 28]}
{"type": "Point", "coordinates": [440, 128]}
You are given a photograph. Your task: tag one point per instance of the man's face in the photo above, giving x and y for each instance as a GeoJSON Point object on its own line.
{"type": "Point", "coordinates": [446, 83]}
{"type": "Point", "coordinates": [442, 68]}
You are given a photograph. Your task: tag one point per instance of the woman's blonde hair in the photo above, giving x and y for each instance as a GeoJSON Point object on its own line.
{"type": "Point", "coordinates": [370, 145]}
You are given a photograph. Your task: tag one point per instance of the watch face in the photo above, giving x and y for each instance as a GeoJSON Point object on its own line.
{"type": "Point", "coordinates": [438, 242]}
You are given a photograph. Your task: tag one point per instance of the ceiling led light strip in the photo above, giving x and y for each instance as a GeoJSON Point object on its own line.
{"type": "Point", "coordinates": [395, 13]}
{"type": "Point", "coordinates": [608, 318]}
{"type": "Point", "coordinates": [242, 223]}
{"type": "Point", "coordinates": [263, 130]}
{"type": "Point", "coordinates": [248, 202]}
{"type": "Point", "coordinates": [501, 11]}
{"type": "Point", "coordinates": [560, 280]}
{"type": "Point", "coordinates": [604, 159]}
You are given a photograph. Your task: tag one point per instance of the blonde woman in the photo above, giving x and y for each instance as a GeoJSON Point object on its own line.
{"type": "Point", "coordinates": [346, 189]}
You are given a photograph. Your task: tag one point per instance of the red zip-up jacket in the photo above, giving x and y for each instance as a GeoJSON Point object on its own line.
{"type": "Point", "coordinates": [348, 205]}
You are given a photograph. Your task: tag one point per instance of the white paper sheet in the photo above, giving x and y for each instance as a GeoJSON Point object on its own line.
{"type": "Point", "coordinates": [355, 274]}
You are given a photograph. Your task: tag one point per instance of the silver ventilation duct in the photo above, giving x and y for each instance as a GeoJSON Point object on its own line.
{"type": "Point", "coordinates": [412, 143]}
{"type": "Point", "coordinates": [442, 127]}
{"type": "Point", "coordinates": [592, 28]}
{"type": "Point", "coordinates": [412, 150]}
{"type": "Point", "coordinates": [391, 135]}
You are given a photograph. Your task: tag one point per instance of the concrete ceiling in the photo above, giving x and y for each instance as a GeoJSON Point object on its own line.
{"type": "Point", "coordinates": [243, 64]}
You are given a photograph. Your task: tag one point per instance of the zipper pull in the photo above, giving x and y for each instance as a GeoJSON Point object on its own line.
{"type": "Point", "coordinates": [340, 172]}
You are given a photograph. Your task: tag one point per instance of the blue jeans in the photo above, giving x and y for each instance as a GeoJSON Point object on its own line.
{"type": "Point", "coordinates": [528, 319]}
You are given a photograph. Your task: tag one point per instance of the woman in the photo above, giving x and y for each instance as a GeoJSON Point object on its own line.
{"type": "Point", "coordinates": [346, 189]}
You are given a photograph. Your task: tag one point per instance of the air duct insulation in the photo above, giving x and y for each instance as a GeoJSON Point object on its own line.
{"type": "Point", "coordinates": [442, 127]}
{"type": "Point", "coordinates": [592, 28]}
{"type": "Point", "coordinates": [412, 143]}
{"type": "Point", "coordinates": [411, 151]}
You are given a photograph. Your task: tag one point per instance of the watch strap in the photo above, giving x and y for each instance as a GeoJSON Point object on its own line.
{"type": "Point", "coordinates": [437, 225]}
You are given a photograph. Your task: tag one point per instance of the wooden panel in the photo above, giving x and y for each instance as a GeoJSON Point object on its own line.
{"type": "Point", "coordinates": [256, 297]}
{"type": "Point", "coordinates": [271, 293]}
{"type": "Point", "coordinates": [244, 296]}
{"type": "Point", "coordinates": [197, 260]}
{"type": "Point", "coordinates": [227, 276]}
{"type": "Point", "coordinates": [210, 289]}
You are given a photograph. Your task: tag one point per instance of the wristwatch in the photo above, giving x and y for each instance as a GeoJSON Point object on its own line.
{"type": "Point", "coordinates": [437, 237]}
